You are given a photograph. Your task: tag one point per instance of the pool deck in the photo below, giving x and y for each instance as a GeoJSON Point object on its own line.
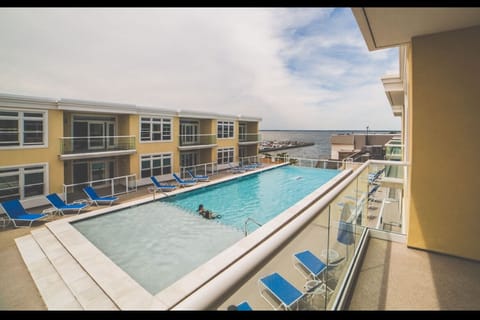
{"type": "Point", "coordinates": [397, 282]}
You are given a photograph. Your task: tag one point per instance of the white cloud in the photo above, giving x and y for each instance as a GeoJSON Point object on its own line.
{"type": "Point", "coordinates": [234, 61]}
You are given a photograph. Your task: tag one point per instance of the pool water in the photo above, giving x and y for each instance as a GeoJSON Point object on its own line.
{"type": "Point", "coordinates": [260, 196]}
{"type": "Point", "coordinates": [159, 242]}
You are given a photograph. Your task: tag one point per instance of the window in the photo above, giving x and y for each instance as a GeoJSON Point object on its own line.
{"type": "Point", "coordinates": [22, 128]}
{"type": "Point", "coordinates": [225, 155]}
{"type": "Point", "coordinates": [188, 159]}
{"type": "Point", "coordinates": [156, 164]}
{"type": "Point", "coordinates": [189, 132]}
{"type": "Point", "coordinates": [22, 182]}
{"type": "Point", "coordinates": [225, 129]}
{"type": "Point", "coordinates": [155, 129]}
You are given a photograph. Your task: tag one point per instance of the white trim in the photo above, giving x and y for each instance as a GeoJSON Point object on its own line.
{"type": "Point", "coordinates": [235, 128]}
{"type": "Point", "coordinates": [161, 127]}
{"type": "Point", "coordinates": [96, 106]}
{"type": "Point", "coordinates": [141, 180]}
{"type": "Point", "coordinates": [155, 112]}
{"type": "Point", "coordinates": [32, 201]}
{"type": "Point", "coordinates": [21, 130]}
{"type": "Point", "coordinates": [196, 147]}
{"type": "Point", "coordinates": [75, 156]}
{"type": "Point", "coordinates": [19, 101]}
{"type": "Point", "coordinates": [222, 150]}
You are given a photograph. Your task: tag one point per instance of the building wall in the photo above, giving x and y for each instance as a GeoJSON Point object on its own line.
{"type": "Point", "coordinates": [445, 155]}
{"type": "Point", "coordinates": [228, 142]}
{"type": "Point", "coordinates": [26, 156]}
{"type": "Point", "coordinates": [55, 165]}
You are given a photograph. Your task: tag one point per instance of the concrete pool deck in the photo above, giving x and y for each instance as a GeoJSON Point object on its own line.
{"type": "Point", "coordinates": [455, 283]}
{"type": "Point", "coordinates": [23, 294]}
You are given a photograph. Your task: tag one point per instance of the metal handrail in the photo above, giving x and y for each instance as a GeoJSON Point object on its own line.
{"type": "Point", "coordinates": [245, 231]}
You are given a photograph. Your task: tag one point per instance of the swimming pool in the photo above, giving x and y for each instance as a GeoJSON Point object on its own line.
{"type": "Point", "coordinates": [259, 196]}
{"type": "Point", "coordinates": [159, 242]}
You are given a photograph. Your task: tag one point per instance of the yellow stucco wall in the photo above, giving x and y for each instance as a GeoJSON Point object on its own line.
{"type": "Point", "coordinates": [25, 156]}
{"type": "Point", "coordinates": [153, 147]}
{"type": "Point", "coordinates": [445, 154]}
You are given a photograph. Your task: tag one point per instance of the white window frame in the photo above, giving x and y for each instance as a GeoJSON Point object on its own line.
{"type": "Point", "coordinates": [21, 118]}
{"type": "Point", "coordinates": [223, 151]}
{"type": "Point", "coordinates": [229, 125]}
{"type": "Point", "coordinates": [151, 121]}
{"type": "Point", "coordinates": [21, 171]}
{"type": "Point", "coordinates": [156, 156]}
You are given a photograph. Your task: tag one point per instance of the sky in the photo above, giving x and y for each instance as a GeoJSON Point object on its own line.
{"type": "Point", "coordinates": [295, 68]}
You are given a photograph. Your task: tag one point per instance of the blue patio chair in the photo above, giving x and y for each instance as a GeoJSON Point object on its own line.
{"type": "Point", "coordinates": [162, 187]}
{"type": "Point", "coordinates": [198, 177]}
{"type": "Point", "coordinates": [184, 183]}
{"type": "Point", "coordinates": [372, 192]}
{"type": "Point", "coordinates": [282, 290]}
{"type": "Point", "coordinates": [374, 176]}
{"type": "Point", "coordinates": [242, 306]}
{"type": "Point", "coordinates": [250, 166]}
{"type": "Point", "coordinates": [16, 213]}
{"type": "Point", "coordinates": [62, 207]}
{"type": "Point", "coordinates": [235, 169]}
{"type": "Point", "coordinates": [309, 265]}
{"type": "Point", "coordinates": [95, 198]}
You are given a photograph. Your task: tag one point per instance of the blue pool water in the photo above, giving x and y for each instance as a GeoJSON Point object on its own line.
{"type": "Point", "coordinates": [259, 196]}
{"type": "Point", "coordinates": [159, 242]}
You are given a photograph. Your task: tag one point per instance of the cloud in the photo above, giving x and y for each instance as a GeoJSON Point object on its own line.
{"type": "Point", "coordinates": [297, 68]}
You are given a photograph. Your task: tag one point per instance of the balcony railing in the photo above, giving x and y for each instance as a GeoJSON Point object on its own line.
{"type": "Point", "coordinates": [333, 224]}
{"type": "Point", "coordinates": [191, 140]}
{"type": "Point", "coordinates": [104, 187]}
{"type": "Point", "coordinates": [202, 169]}
{"type": "Point", "coordinates": [78, 145]}
{"type": "Point", "coordinates": [394, 151]}
{"type": "Point", "coordinates": [249, 137]}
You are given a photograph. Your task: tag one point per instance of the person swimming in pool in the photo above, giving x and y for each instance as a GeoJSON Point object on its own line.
{"type": "Point", "coordinates": [205, 213]}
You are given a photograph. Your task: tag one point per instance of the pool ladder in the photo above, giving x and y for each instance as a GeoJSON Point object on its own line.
{"type": "Point", "coordinates": [246, 222]}
{"type": "Point", "coordinates": [154, 192]}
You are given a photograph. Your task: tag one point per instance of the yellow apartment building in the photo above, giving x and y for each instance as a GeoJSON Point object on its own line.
{"type": "Point", "coordinates": [436, 94]}
{"type": "Point", "coordinates": [49, 145]}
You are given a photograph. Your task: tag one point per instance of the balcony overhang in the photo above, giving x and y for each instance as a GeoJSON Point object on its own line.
{"type": "Point", "coordinates": [103, 154]}
{"type": "Point", "coordinates": [391, 27]}
{"type": "Point", "coordinates": [246, 143]}
{"type": "Point", "coordinates": [395, 93]}
{"type": "Point", "coordinates": [196, 147]}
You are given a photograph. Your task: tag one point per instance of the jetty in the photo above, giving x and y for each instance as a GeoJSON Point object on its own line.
{"type": "Point", "coordinates": [268, 146]}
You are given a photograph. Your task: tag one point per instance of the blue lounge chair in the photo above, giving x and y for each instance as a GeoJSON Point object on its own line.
{"type": "Point", "coordinates": [309, 264]}
{"type": "Point", "coordinates": [92, 194]}
{"type": "Point", "coordinates": [184, 183]}
{"type": "Point", "coordinates": [281, 289]}
{"type": "Point", "coordinates": [374, 176]}
{"type": "Point", "coordinates": [250, 166]}
{"type": "Point", "coordinates": [16, 212]}
{"type": "Point", "coordinates": [242, 306]}
{"type": "Point", "coordinates": [236, 169]}
{"type": "Point", "coordinates": [61, 206]}
{"type": "Point", "coordinates": [162, 187]}
{"type": "Point", "coordinates": [198, 177]}
{"type": "Point", "coordinates": [371, 192]}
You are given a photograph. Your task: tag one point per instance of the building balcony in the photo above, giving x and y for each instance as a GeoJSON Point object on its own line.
{"type": "Point", "coordinates": [92, 147]}
{"type": "Point", "coordinates": [197, 141]}
{"type": "Point", "coordinates": [249, 138]}
{"type": "Point", "coordinates": [394, 150]}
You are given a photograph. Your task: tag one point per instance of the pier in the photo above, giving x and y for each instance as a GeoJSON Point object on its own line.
{"type": "Point", "coordinates": [268, 146]}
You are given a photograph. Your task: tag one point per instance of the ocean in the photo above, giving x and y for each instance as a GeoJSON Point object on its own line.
{"type": "Point", "coordinates": [320, 138]}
